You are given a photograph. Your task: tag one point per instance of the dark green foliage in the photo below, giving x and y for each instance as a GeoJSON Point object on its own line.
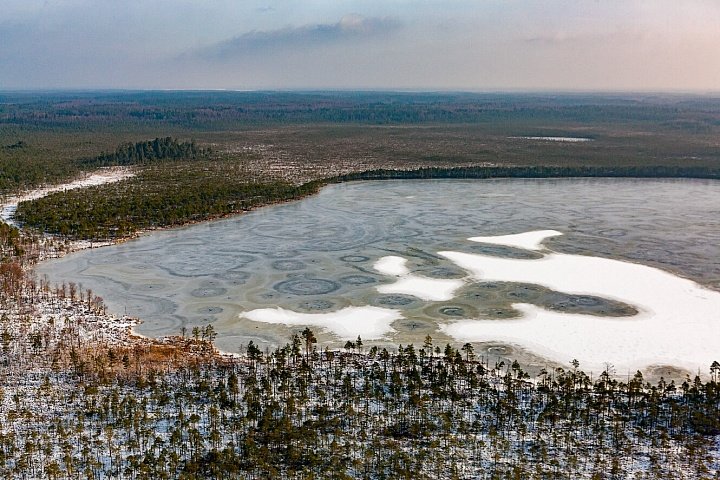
{"type": "Point", "coordinates": [23, 165]}
{"type": "Point", "coordinates": [11, 245]}
{"type": "Point", "coordinates": [21, 169]}
{"type": "Point", "coordinates": [18, 144]}
{"type": "Point", "coordinates": [157, 197]}
{"type": "Point", "coordinates": [145, 153]}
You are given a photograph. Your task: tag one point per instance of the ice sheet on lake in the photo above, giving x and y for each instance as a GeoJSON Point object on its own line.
{"type": "Point", "coordinates": [678, 321]}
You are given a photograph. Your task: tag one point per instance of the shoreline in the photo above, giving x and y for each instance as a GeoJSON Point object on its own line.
{"type": "Point", "coordinates": [78, 245]}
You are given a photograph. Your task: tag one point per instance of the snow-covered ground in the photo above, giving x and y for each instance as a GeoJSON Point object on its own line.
{"type": "Point", "coordinates": [392, 265]}
{"type": "Point", "coordinates": [107, 175]}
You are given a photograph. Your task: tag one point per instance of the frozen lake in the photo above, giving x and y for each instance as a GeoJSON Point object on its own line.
{"type": "Point", "coordinates": [395, 261]}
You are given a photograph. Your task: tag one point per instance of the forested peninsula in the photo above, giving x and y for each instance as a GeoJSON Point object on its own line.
{"type": "Point", "coordinates": [185, 192]}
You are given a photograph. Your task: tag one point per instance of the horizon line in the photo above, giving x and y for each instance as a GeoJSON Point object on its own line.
{"type": "Point", "coordinates": [420, 90]}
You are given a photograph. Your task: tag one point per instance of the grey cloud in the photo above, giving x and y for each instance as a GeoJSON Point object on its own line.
{"type": "Point", "coordinates": [258, 42]}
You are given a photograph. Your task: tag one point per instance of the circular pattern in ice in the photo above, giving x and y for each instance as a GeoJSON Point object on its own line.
{"type": "Point", "coordinates": [453, 311]}
{"type": "Point", "coordinates": [395, 300]}
{"type": "Point", "coordinates": [307, 286]}
{"type": "Point", "coordinates": [208, 292]}
{"type": "Point", "coordinates": [316, 305]}
{"type": "Point", "coordinates": [288, 265]}
{"type": "Point", "coordinates": [355, 258]}
{"type": "Point", "coordinates": [357, 280]}
{"type": "Point", "coordinates": [237, 277]}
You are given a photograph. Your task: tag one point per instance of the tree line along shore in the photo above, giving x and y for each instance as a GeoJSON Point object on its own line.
{"type": "Point", "coordinates": [178, 183]}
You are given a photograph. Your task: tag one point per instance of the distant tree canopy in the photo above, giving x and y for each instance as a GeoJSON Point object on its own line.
{"type": "Point", "coordinates": [151, 151]}
{"type": "Point", "coordinates": [202, 110]}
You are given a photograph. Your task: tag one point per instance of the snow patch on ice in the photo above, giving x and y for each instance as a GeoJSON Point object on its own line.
{"type": "Point", "coordinates": [369, 322]}
{"type": "Point", "coordinates": [431, 289]}
{"type": "Point", "coordinates": [528, 240]}
{"type": "Point", "coordinates": [392, 265]}
{"type": "Point", "coordinates": [678, 321]}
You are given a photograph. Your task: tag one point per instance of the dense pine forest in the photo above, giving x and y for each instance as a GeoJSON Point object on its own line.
{"type": "Point", "coordinates": [143, 153]}
{"type": "Point", "coordinates": [483, 172]}
{"type": "Point", "coordinates": [208, 109]}
{"type": "Point", "coordinates": [413, 413]}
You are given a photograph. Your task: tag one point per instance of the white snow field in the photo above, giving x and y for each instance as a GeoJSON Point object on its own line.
{"type": "Point", "coordinates": [368, 322]}
{"type": "Point", "coordinates": [431, 289]}
{"type": "Point", "coordinates": [678, 321]}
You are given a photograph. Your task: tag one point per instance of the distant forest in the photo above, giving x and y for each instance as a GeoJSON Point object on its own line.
{"type": "Point", "coordinates": [203, 110]}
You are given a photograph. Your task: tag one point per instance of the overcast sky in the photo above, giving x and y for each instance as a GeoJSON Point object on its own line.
{"type": "Point", "coordinates": [385, 44]}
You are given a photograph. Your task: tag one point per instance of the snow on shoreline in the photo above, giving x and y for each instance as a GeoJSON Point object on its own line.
{"type": "Point", "coordinates": [100, 177]}
{"type": "Point", "coordinates": [678, 321]}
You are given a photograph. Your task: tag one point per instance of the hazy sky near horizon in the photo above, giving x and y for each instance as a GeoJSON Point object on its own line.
{"type": "Point", "coordinates": [388, 44]}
